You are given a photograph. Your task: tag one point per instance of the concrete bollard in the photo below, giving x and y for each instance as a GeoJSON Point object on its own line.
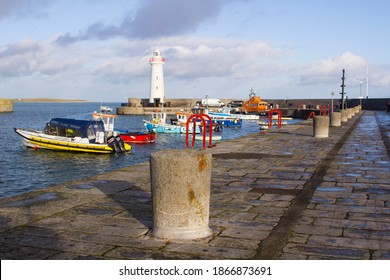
{"type": "Point", "coordinates": [180, 181]}
{"type": "Point", "coordinates": [349, 113]}
{"type": "Point", "coordinates": [335, 119]}
{"type": "Point", "coordinates": [321, 126]}
{"type": "Point", "coordinates": [356, 110]}
{"type": "Point", "coordinates": [344, 116]}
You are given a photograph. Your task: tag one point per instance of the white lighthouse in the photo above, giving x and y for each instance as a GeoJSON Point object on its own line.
{"type": "Point", "coordinates": [157, 78]}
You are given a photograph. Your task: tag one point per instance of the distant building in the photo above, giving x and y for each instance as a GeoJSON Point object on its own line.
{"type": "Point", "coordinates": [156, 95]}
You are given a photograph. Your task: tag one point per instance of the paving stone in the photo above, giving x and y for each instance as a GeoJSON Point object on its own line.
{"type": "Point", "coordinates": [205, 251]}
{"type": "Point", "coordinates": [326, 252]}
{"type": "Point", "coordinates": [239, 243]}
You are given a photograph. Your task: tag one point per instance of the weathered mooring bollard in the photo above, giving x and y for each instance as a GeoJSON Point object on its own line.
{"type": "Point", "coordinates": [349, 113]}
{"type": "Point", "coordinates": [344, 115]}
{"type": "Point", "coordinates": [321, 126]}
{"type": "Point", "coordinates": [335, 119]}
{"type": "Point", "coordinates": [180, 181]}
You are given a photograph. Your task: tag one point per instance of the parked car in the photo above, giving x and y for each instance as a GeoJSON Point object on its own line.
{"type": "Point", "coordinates": [235, 103]}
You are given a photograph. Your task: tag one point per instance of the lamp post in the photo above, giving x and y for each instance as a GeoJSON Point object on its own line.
{"type": "Point", "coordinates": [332, 100]}
{"type": "Point", "coordinates": [342, 91]}
{"type": "Point", "coordinates": [361, 96]}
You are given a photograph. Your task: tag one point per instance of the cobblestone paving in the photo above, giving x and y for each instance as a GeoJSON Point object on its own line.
{"type": "Point", "coordinates": [279, 195]}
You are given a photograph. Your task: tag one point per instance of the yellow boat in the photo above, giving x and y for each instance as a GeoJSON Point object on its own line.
{"type": "Point", "coordinates": [75, 136]}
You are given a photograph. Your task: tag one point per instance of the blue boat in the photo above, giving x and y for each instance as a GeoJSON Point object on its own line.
{"type": "Point", "coordinates": [158, 124]}
{"type": "Point", "coordinates": [225, 120]}
{"type": "Point", "coordinates": [229, 122]}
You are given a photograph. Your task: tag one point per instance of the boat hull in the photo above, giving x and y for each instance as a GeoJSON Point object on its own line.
{"type": "Point", "coordinates": [138, 137]}
{"type": "Point", "coordinates": [207, 138]}
{"type": "Point", "coordinates": [169, 128]}
{"type": "Point", "coordinates": [229, 122]}
{"type": "Point", "coordinates": [39, 140]}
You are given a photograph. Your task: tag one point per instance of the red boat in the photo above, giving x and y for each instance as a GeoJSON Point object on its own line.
{"type": "Point", "coordinates": [137, 137]}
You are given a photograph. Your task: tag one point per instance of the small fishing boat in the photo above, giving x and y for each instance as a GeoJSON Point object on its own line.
{"type": "Point", "coordinates": [228, 122]}
{"type": "Point", "coordinates": [158, 124]}
{"type": "Point", "coordinates": [207, 138]}
{"type": "Point", "coordinates": [274, 123]}
{"type": "Point", "coordinates": [127, 136]}
{"type": "Point", "coordinates": [275, 117]}
{"type": "Point", "coordinates": [225, 119]}
{"type": "Point", "coordinates": [105, 109]}
{"type": "Point", "coordinates": [232, 113]}
{"type": "Point", "coordinates": [72, 135]}
{"type": "Point", "coordinates": [137, 137]}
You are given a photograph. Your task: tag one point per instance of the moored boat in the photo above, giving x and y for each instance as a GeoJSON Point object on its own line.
{"type": "Point", "coordinates": [254, 104]}
{"type": "Point", "coordinates": [159, 124]}
{"type": "Point", "coordinates": [231, 113]}
{"type": "Point", "coordinates": [137, 137]}
{"type": "Point", "coordinates": [207, 138]}
{"type": "Point", "coordinates": [72, 135]}
{"type": "Point", "coordinates": [105, 109]}
{"type": "Point", "coordinates": [127, 136]}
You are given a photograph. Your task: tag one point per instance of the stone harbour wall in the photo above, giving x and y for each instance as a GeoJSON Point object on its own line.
{"type": "Point", "coordinates": [6, 105]}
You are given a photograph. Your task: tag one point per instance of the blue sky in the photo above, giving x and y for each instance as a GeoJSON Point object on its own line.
{"type": "Point", "coordinates": [99, 49]}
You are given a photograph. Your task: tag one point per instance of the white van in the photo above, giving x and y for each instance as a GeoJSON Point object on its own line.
{"type": "Point", "coordinates": [212, 102]}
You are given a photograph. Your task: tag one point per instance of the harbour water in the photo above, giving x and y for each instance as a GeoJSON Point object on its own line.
{"type": "Point", "coordinates": [24, 170]}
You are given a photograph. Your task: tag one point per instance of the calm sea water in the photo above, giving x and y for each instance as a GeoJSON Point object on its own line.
{"type": "Point", "coordinates": [23, 169]}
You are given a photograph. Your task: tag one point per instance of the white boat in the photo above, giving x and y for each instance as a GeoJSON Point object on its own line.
{"type": "Point", "coordinates": [228, 112]}
{"type": "Point", "coordinates": [105, 109]}
{"type": "Point", "coordinates": [274, 123]}
{"type": "Point", "coordinates": [275, 117]}
{"type": "Point", "coordinates": [213, 137]}
{"type": "Point", "coordinates": [75, 136]}
{"type": "Point", "coordinates": [159, 124]}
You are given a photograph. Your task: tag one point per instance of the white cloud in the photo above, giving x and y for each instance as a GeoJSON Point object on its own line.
{"type": "Point", "coordinates": [328, 70]}
{"type": "Point", "coordinates": [29, 57]}
{"type": "Point", "coordinates": [196, 64]}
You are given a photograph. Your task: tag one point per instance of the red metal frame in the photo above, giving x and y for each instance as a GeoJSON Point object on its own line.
{"type": "Point", "coordinates": [195, 118]}
{"type": "Point", "coordinates": [324, 110]}
{"type": "Point", "coordinates": [279, 118]}
{"type": "Point", "coordinates": [311, 115]}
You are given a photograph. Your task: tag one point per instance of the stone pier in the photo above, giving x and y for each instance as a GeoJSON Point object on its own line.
{"type": "Point", "coordinates": [6, 105]}
{"type": "Point", "coordinates": [280, 195]}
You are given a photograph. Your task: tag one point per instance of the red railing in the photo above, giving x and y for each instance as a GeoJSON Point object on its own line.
{"type": "Point", "coordinates": [324, 110]}
{"type": "Point", "coordinates": [311, 115]}
{"type": "Point", "coordinates": [194, 118]}
{"type": "Point", "coordinates": [270, 117]}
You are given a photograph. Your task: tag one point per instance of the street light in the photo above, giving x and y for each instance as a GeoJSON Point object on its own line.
{"type": "Point", "coordinates": [361, 96]}
{"type": "Point", "coordinates": [332, 100]}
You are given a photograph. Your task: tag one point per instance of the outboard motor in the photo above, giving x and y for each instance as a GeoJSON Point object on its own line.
{"type": "Point", "coordinates": [120, 143]}
{"type": "Point", "coordinates": [112, 143]}
{"type": "Point", "coordinates": [116, 143]}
